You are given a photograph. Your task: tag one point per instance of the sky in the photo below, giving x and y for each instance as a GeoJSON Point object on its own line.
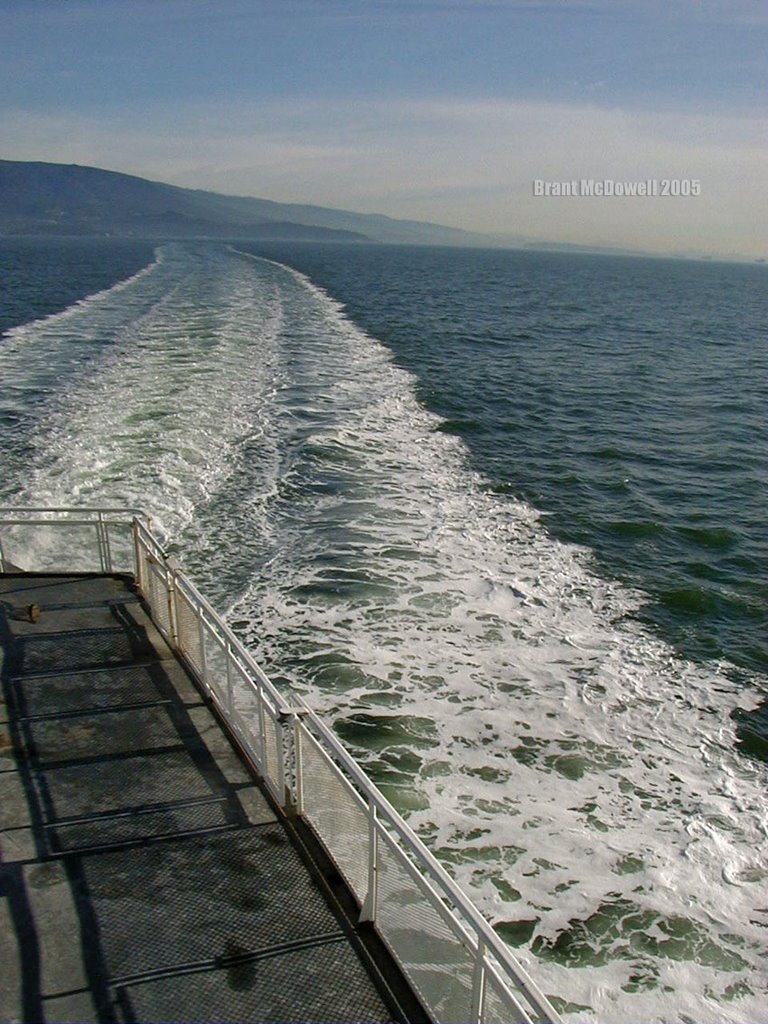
{"type": "Point", "coordinates": [439, 110]}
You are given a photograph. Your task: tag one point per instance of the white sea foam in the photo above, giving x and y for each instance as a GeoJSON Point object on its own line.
{"type": "Point", "coordinates": [155, 411]}
{"type": "Point", "coordinates": [568, 768]}
{"type": "Point", "coordinates": [574, 760]}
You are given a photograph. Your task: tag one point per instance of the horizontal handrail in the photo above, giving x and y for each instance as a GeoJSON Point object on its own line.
{"type": "Point", "coordinates": [12, 512]}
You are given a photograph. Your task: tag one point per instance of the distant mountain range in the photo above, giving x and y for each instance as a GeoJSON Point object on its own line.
{"type": "Point", "coordinates": [67, 199]}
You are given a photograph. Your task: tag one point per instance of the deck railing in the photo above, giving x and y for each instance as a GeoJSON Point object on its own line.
{"type": "Point", "coordinates": [67, 540]}
{"type": "Point", "coordinates": [455, 962]}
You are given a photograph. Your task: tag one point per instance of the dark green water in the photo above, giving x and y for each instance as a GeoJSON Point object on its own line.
{"type": "Point", "coordinates": [626, 398]}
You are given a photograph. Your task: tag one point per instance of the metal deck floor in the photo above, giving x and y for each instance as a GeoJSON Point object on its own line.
{"type": "Point", "coordinates": [143, 874]}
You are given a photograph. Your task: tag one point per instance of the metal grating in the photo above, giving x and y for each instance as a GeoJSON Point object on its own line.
{"type": "Point", "coordinates": [185, 901]}
{"type": "Point", "coordinates": [100, 735]}
{"type": "Point", "coordinates": [440, 940]}
{"type": "Point", "coordinates": [140, 825]}
{"type": "Point", "coordinates": [245, 726]}
{"type": "Point", "coordinates": [121, 544]}
{"type": "Point", "coordinates": [324, 984]}
{"type": "Point", "coordinates": [65, 592]}
{"type": "Point", "coordinates": [50, 695]}
{"type": "Point", "coordinates": [80, 649]}
{"type": "Point", "coordinates": [133, 684]}
{"type": "Point", "coordinates": [125, 783]}
{"type": "Point", "coordinates": [215, 664]}
{"type": "Point", "coordinates": [258, 725]}
{"type": "Point", "coordinates": [247, 887]}
{"type": "Point", "coordinates": [273, 749]}
{"type": "Point", "coordinates": [60, 619]}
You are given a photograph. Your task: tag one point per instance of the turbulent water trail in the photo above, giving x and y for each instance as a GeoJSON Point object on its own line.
{"type": "Point", "coordinates": [578, 778]}
{"type": "Point", "coordinates": [144, 394]}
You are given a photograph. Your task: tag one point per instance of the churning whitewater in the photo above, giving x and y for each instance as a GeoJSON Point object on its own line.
{"type": "Point", "coordinates": [578, 779]}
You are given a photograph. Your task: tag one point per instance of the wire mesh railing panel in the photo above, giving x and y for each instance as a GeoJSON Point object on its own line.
{"type": "Point", "coordinates": [437, 960]}
{"type": "Point", "coordinates": [256, 721]}
{"type": "Point", "coordinates": [146, 551]}
{"type": "Point", "coordinates": [119, 541]}
{"type": "Point", "coordinates": [242, 728]}
{"type": "Point", "coordinates": [141, 566]}
{"type": "Point", "coordinates": [215, 659]}
{"type": "Point", "coordinates": [188, 629]}
{"type": "Point", "coordinates": [273, 750]}
{"type": "Point", "coordinates": [500, 1005]}
{"type": "Point", "coordinates": [246, 708]}
{"type": "Point", "coordinates": [156, 595]}
{"type": "Point", "coordinates": [58, 547]}
{"type": "Point", "coordinates": [336, 813]}
{"type": "Point", "coordinates": [246, 699]}
{"type": "Point", "coordinates": [67, 540]}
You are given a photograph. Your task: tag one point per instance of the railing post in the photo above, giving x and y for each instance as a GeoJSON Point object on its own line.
{"type": "Point", "coordinates": [478, 983]}
{"type": "Point", "coordinates": [284, 752]}
{"type": "Point", "coordinates": [138, 560]}
{"type": "Point", "coordinates": [297, 797]}
{"type": "Point", "coordinates": [106, 546]}
{"type": "Point", "coordinates": [228, 660]}
{"type": "Point", "coordinates": [262, 736]}
{"type": "Point", "coordinates": [203, 653]}
{"type": "Point", "coordinates": [100, 543]}
{"type": "Point", "coordinates": [170, 590]}
{"type": "Point", "coordinates": [370, 906]}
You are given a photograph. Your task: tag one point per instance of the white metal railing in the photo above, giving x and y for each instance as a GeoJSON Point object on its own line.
{"type": "Point", "coordinates": [67, 540]}
{"type": "Point", "coordinates": [455, 962]}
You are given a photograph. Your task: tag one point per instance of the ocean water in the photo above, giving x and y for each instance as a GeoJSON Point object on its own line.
{"type": "Point", "coordinates": [500, 517]}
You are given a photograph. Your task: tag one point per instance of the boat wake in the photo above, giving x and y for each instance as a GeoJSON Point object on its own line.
{"type": "Point", "coordinates": [578, 779]}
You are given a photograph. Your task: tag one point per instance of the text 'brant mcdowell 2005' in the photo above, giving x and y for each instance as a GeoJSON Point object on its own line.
{"type": "Point", "coordinates": [608, 187]}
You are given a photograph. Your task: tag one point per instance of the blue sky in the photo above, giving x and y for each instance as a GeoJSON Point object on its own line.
{"type": "Point", "coordinates": [443, 110]}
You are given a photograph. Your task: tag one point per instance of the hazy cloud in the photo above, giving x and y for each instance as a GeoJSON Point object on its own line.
{"type": "Point", "coordinates": [466, 163]}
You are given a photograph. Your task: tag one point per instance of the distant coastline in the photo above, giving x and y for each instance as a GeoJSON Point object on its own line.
{"type": "Point", "coordinates": [66, 200]}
